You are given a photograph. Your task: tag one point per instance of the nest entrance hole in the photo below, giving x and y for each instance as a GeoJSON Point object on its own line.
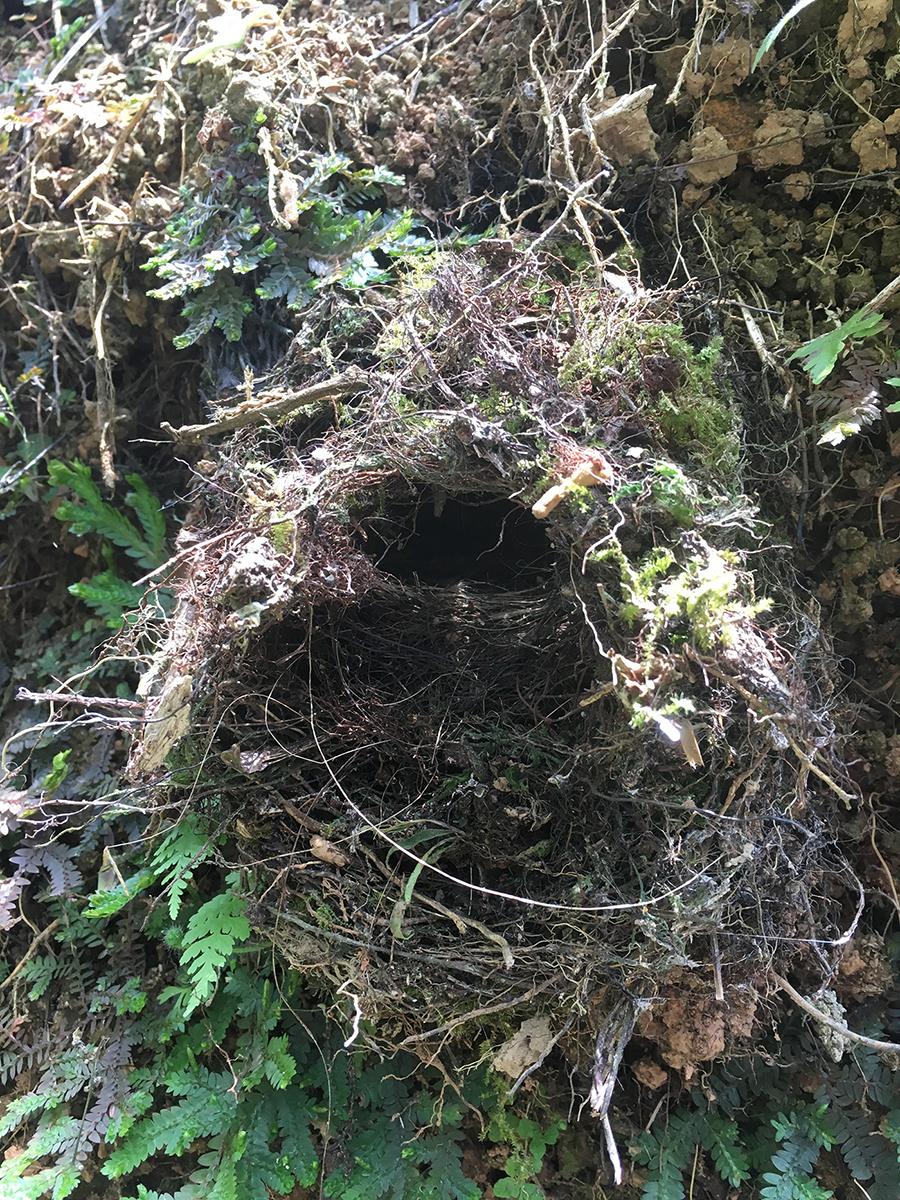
{"type": "Point", "coordinates": [439, 539]}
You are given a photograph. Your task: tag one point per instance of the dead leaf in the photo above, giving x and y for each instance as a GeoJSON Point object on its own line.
{"type": "Point", "coordinates": [524, 1048]}
{"type": "Point", "coordinates": [680, 730]}
{"type": "Point", "coordinates": [689, 744]}
{"type": "Point", "coordinates": [650, 1074]}
{"type": "Point", "coordinates": [248, 762]}
{"type": "Point", "coordinates": [327, 852]}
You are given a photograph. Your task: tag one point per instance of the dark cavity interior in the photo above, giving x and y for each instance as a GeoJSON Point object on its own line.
{"type": "Point", "coordinates": [435, 538]}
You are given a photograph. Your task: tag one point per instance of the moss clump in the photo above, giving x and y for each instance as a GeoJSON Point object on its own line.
{"type": "Point", "coordinates": [283, 535]}
{"type": "Point", "coordinates": [699, 600]}
{"type": "Point", "coordinates": [679, 388]}
{"type": "Point", "coordinates": [668, 489]}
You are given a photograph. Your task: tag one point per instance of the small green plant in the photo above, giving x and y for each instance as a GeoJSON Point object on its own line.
{"type": "Point", "coordinates": [60, 42]}
{"type": "Point", "coordinates": [228, 232]}
{"type": "Point", "coordinates": [209, 940]}
{"type": "Point", "coordinates": [800, 1135]}
{"type": "Point", "coordinates": [856, 399]}
{"type": "Point", "coordinates": [760, 1134]}
{"type": "Point", "coordinates": [819, 356]}
{"type": "Point", "coordinates": [670, 490]}
{"type": "Point", "coordinates": [529, 1143]}
{"type": "Point", "coordinates": [88, 513]}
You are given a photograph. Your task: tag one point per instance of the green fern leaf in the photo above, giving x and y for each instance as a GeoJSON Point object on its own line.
{"type": "Point", "coordinates": [223, 305]}
{"type": "Point", "coordinates": [288, 280]}
{"type": "Point", "coordinates": [665, 1183]}
{"type": "Point", "coordinates": [209, 940]}
{"type": "Point", "coordinates": [819, 356]}
{"type": "Point", "coordinates": [721, 1138]}
{"type": "Point", "coordinates": [149, 513]}
{"type": "Point", "coordinates": [293, 1117]}
{"type": "Point", "coordinates": [19, 1110]}
{"type": "Point", "coordinates": [794, 1160]}
{"type": "Point", "coordinates": [890, 1127]}
{"type": "Point", "coordinates": [181, 851]}
{"type": "Point", "coordinates": [108, 902]}
{"type": "Point", "coordinates": [279, 1065]}
{"type": "Point", "coordinates": [668, 1155]}
{"type": "Point", "coordinates": [39, 973]}
{"type": "Point", "coordinates": [15, 1186]}
{"type": "Point", "coordinates": [442, 1154]}
{"type": "Point", "coordinates": [379, 1168]}
{"type": "Point", "coordinates": [110, 596]}
{"type": "Point", "coordinates": [207, 1108]}
{"type": "Point", "coordinates": [92, 514]}
{"type": "Point", "coordinates": [218, 1170]}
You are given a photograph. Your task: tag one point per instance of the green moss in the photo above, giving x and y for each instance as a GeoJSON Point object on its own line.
{"type": "Point", "coordinates": [282, 535]}
{"type": "Point", "coordinates": [699, 601]}
{"type": "Point", "coordinates": [580, 498]}
{"type": "Point", "coordinates": [677, 387]}
{"type": "Point", "coordinates": [670, 490]}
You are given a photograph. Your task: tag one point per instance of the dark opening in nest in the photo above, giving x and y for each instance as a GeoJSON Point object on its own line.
{"type": "Point", "coordinates": [434, 538]}
{"type": "Point", "coordinates": [460, 697]}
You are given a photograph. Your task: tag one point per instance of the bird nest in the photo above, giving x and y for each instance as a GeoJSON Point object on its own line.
{"type": "Point", "coordinates": [477, 760]}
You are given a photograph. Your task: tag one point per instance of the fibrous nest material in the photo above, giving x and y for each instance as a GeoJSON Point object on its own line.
{"type": "Point", "coordinates": [480, 760]}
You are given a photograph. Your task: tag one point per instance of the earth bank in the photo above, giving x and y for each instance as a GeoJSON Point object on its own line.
{"type": "Point", "coordinates": [514, 701]}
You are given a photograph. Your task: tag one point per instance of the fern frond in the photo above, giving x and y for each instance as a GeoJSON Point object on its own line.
{"type": "Point", "coordinates": [667, 1154]}
{"type": "Point", "coordinates": [890, 1128]}
{"type": "Point", "coordinates": [40, 973]}
{"type": "Point", "coordinates": [222, 305]}
{"type": "Point", "coordinates": [108, 902]}
{"type": "Point", "coordinates": [57, 859]}
{"type": "Point", "coordinates": [206, 1108]}
{"type": "Point", "coordinates": [21, 1109]}
{"type": "Point", "coordinates": [183, 848]}
{"type": "Point", "coordinates": [279, 1065]}
{"type": "Point", "coordinates": [90, 513]}
{"type": "Point", "coordinates": [109, 595]}
{"type": "Point", "coordinates": [293, 1116]}
{"type": "Point", "coordinates": [217, 1171]}
{"type": "Point", "coordinates": [869, 1156]}
{"type": "Point", "coordinates": [14, 1062]}
{"type": "Point", "coordinates": [722, 1139]}
{"type": "Point", "coordinates": [16, 1186]}
{"type": "Point", "coordinates": [791, 1177]}
{"type": "Point", "coordinates": [211, 935]}
{"type": "Point", "coordinates": [819, 356]}
{"type": "Point", "coordinates": [149, 513]}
